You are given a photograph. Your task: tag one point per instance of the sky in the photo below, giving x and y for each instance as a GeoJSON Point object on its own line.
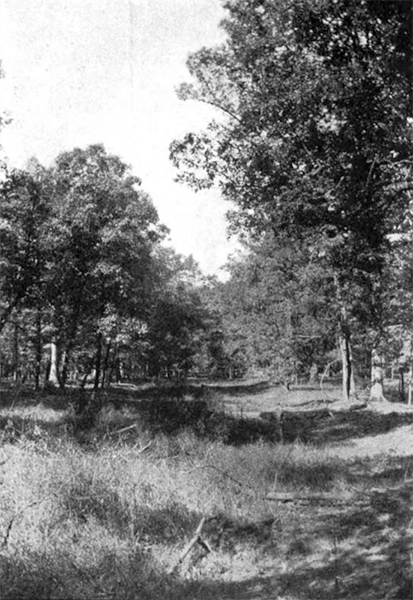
{"type": "Point", "coordinates": [80, 72]}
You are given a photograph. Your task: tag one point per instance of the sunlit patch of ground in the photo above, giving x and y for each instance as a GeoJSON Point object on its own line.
{"type": "Point", "coordinates": [398, 442]}
{"type": "Point", "coordinates": [33, 413]}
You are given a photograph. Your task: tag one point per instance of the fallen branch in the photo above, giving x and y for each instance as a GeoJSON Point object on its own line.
{"type": "Point", "coordinates": [148, 445]}
{"type": "Point", "coordinates": [285, 497]}
{"type": "Point", "coordinates": [196, 539]}
{"type": "Point", "coordinates": [125, 429]}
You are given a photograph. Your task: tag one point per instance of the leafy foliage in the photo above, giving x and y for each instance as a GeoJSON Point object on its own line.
{"type": "Point", "coordinates": [312, 143]}
{"type": "Point", "coordinates": [82, 256]}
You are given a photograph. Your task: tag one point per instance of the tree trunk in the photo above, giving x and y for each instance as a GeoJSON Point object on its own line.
{"type": "Point", "coordinates": [38, 350]}
{"type": "Point", "coordinates": [16, 353]}
{"type": "Point", "coordinates": [65, 364]}
{"type": "Point", "coordinates": [401, 384]}
{"type": "Point", "coordinates": [349, 385]}
{"type": "Point", "coordinates": [53, 374]}
{"type": "Point", "coordinates": [313, 373]}
{"type": "Point", "coordinates": [98, 361]}
{"type": "Point", "coordinates": [377, 377]}
{"type": "Point", "coordinates": [409, 389]}
{"type": "Point", "coordinates": [71, 338]}
{"type": "Point", "coordinates": [112, 364]}
{"type": "Point", "coordinates": [87, 373]}
{"type": "Point", "coordinates": [105, 370]}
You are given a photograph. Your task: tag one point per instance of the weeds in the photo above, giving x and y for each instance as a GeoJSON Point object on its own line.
{"type": "Point", "coordinates": [107, 513]}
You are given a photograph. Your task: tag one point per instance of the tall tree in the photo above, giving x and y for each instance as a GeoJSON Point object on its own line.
{"type": "Point", "coordinates": [179, 317]}
{"type": "Point", "coordinates": [314, 137]}
{"type": "Point", "coordinates": [100, 242]}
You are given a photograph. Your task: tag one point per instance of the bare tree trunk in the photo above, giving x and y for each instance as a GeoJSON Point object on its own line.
{"type": "Point", "coordinates": [105, 370]}
{"type": "Point", "coordinates": [349, 386]}
{"type": "Point", "coordinates": [38, 349]}
{"type": "Point", "coordinates": [65, 364]}
{"type": "Point", "coordinates": [87, 373]}
{"type": "Point", "coordinates": [377, 377]}
{"type": "Point", "coordinates": [313, 373]}
{"type": "Point", "coordinates": [409, 389]}
{"type": "Point", "coordinates": [16, 353]}
{"type": "Point", "coordinates": [112, 363]}
{"type": "Point", "coordinates": [53, 374]}
{"type": "Point", "coordinates": [98, 361]}
{"type": "Point", "coordinates": [353, 392]}
{"type": "Point", "coordinates": [71, 339]}
{"type": "Point", "coordinates": [401, 383]}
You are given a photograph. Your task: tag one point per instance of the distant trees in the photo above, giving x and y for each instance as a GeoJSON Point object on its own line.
{"type": "Point", "coordinates": [312, 146]}
{"type": "Point", "coordinates": [179, 317]}
{"type": "Point", "coordinates": [87, 289]}
{"type": "Point", "coordinates": [276, 312]}
{"type": "Point", "coordinates": [313, 143]}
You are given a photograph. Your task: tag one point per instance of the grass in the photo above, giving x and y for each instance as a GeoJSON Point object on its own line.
{"type": "Point", "coordinates": [106, 512]}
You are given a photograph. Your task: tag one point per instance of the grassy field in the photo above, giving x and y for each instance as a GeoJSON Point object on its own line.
{"type": "Point", "coordinates": [106, 509]}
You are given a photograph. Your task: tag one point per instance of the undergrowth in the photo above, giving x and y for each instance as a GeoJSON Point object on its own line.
{"type": "Point", "coordinates": [107, 512]}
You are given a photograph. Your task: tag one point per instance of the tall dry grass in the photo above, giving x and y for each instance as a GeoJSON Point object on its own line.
{"type": "Point", "coordinates": [106, 513]}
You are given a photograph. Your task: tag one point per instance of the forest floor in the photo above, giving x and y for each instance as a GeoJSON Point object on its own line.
{"type": "Point", "coordinates": [283, 495]}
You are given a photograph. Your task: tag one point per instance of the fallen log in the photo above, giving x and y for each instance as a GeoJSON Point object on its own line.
{"type": "Point", "coordinates": [313, 498]}
{"type": "Point", "coordinates": [196, 539]}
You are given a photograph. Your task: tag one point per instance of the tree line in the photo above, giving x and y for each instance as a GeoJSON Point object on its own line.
{"type": "Point", "coordinates": [311, 144]}
{"type": "Point", "coordinates": [90, 291]}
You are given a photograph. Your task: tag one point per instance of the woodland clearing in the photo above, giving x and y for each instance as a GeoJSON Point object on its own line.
{"type": "Point", "coordinates": [189, 498]}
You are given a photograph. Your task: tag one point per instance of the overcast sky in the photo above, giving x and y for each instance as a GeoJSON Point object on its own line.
{"type": "Point", "coordinates": [79, 72]}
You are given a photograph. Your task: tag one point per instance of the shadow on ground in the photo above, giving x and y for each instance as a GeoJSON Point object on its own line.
{"type": "Point", "coordinates": [369, 556]}
{"type": "Point", "coordinates": [114, 578]}
{"type": "Point", "coordinates": [170, 410]}
{"type": "Point", "coordinates": [323, 426]}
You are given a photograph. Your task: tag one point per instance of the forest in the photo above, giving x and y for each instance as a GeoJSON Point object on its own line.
{"type": "Point", "coordinates": [312, 144]}
{"type": "Point", "coordinates": [263, 416]}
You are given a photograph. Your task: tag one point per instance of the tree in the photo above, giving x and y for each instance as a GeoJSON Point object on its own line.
{"type": "Point", "coordinates": [24, 214]}
{"type": "Point", "coordinates": [397, 323]}
{"type": "Point", "coordinates": [276, 310]}
{"type": "Point", "coordinates": [314, 137]}
{"type": "Point", "coordinates": [85, 277]}
{"type": "Point", "coordinates": [178, 319]}
{"type": "Point", "coordinates": [101, 238]}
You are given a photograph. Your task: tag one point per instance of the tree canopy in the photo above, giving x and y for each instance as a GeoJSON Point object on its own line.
{"type": "Point", "coordinates": [85, 273]}
{"type": "Point", "coordinates": [313, 141]}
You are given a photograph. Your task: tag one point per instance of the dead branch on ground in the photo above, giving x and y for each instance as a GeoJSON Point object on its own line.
{"type": "Point", "coordinates": [196, 539]}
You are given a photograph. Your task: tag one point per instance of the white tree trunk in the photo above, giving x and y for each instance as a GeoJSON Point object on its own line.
{"type": "Point", "coordinates": [377, 377]}
{"type": "Point", "coordinates": [53, 376]}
